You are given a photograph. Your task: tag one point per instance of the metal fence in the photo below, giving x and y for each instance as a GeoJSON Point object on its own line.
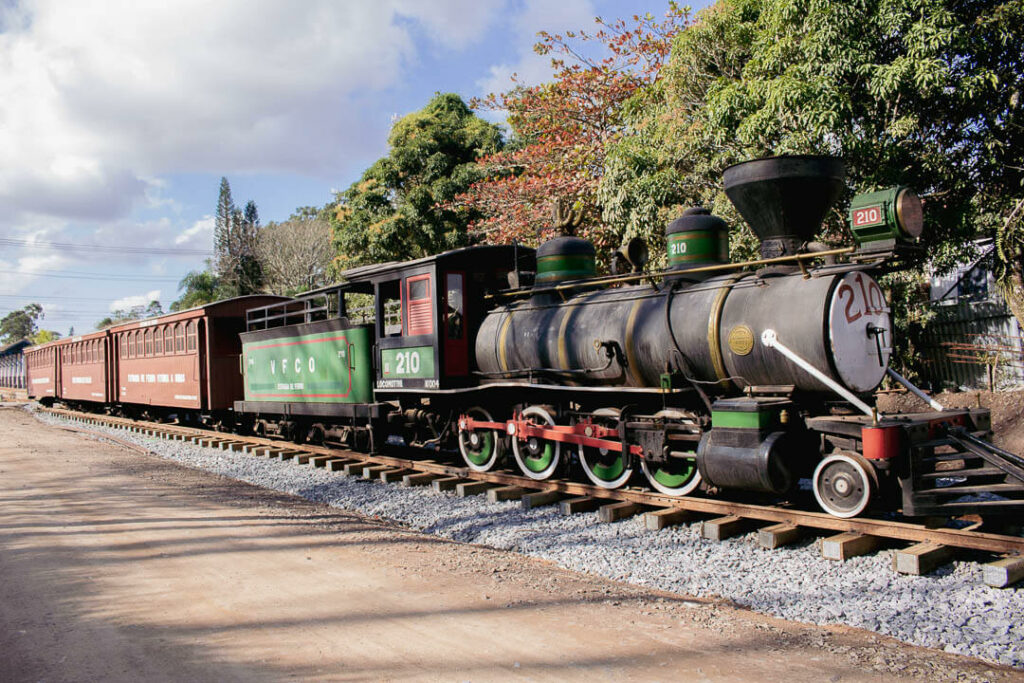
{"type": "Point", "coordinates": [975, 345]}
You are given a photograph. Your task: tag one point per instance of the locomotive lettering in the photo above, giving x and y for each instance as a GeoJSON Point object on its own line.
{"type": "Point", "coordinates": [868, 215]}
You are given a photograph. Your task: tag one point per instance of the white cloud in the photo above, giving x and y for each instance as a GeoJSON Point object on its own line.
{"type": "Point", "coordinates": [197, 235]}
{"type": "Point", "coordinates": [128, 302]}
{"type": "Point", "coordinates": [98, 97]}
{"type": "Point", "coordinates": [453, 23]}
{"type": "Point", "coordinates": [19, 270]}
{"type": "Point", "coordinates": [537, 15]}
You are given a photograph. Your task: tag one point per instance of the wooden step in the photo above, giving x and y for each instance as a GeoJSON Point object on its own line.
{"type": "Point", "coordinates": [956, 491]}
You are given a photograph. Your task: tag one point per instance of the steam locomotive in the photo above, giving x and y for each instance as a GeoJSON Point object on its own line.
{"type": "Point", "coordinates": [706, 377]}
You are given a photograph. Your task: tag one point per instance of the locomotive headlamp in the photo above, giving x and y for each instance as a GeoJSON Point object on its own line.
{"type": "Point", "coordinates": [892, 214]}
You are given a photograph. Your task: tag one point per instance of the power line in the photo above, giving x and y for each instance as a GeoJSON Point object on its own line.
{"type": "Point", "coordinates": [37, 297]}
{"type": "Point", "coordinates": [14, 242]}
{"type": "Point", "coordinates": [64, 313]}
{"type": "Point", "coordinates": [70, 275]}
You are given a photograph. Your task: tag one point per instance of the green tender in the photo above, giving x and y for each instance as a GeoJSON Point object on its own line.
{"type": "Point", "coordinates": [326, 367]}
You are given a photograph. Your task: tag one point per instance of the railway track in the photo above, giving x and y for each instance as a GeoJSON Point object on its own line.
{"type": "Point", "coordinates": [930, 544]}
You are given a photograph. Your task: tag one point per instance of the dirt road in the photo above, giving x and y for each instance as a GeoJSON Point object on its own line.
{"type": "Point", "coordinates": [119, 566]}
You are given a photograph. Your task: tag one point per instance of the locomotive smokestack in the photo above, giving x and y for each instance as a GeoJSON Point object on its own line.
{"type": "Point", "coordinates": [785, 198]}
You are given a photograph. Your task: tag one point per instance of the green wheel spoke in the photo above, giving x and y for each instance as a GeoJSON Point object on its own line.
{"type": "Point", "coordinates": [481, 454]}
{"type": "Point", "coordinates": [677, 477]}
{"type": "Point", "coordinates": [674, 477]}
{"type": "Point", "coordinates": [608, 471]}
{"type": "Point", "coordinates": [538, 458]}
{"type": "Point", "coordinates": [541, 461]}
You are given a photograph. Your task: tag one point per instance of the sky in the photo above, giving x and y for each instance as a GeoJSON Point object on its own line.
{"type": "Point", "coordinates": [119, 117]}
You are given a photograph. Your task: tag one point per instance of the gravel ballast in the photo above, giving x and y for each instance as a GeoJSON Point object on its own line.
{"type": "Point", "coordinates": [950, 609]}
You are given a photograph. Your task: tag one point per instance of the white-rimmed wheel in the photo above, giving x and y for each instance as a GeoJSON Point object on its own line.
{"type": "Point", "coordinates": [537, 458]}
{"type": "Point", "coordinates": [605, 467]}
{"type": "Point", "coordinates": [843, 484]}
{"type": "Point", "coordinates": [678, 476]}
{"type": "Point", "coordinates": [482, 449]}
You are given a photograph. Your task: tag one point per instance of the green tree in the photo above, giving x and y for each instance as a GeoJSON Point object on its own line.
{"type": "Point", "coordinates": [562, 129]}
{"type": "Point", "coordinates": [399, 208]}
{"type": "Point", "coordinates": [20, 324]}
{"type": "Point", "coordinates": [45, 336]}
{"type": "Point", "coordinates": [919, 92]}
{"type": "Point", "coordinates": [200, 287]}
{"type": "Point", "coordinates": [250, 271]}
{"type": "Point", "coordinates": [140, 312]}
{"type": "Point", "coordinates": [310, 212]}
{"type": "Point", "coordinates": [223, 221]}
{"type": "Point", "coordinates": [236, 265]}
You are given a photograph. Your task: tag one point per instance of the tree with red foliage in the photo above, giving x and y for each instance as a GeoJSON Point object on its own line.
{"type": "Point", "coordinates": [560, 129]}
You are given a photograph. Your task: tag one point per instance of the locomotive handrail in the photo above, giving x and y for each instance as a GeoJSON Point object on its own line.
{"type": "Point", "coordinates": [771, 340]}
{"type": "Point", "coordinates": [914, 390]}
{"type": "Point", "coordinates": [616, 279]}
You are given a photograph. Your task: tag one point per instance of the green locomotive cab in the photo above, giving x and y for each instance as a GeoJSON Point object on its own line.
{"type": "Point", "coordinates": [367, 355]}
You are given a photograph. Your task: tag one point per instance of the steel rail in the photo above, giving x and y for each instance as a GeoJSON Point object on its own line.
{"type": "Point", "coordinates": [966, 539]}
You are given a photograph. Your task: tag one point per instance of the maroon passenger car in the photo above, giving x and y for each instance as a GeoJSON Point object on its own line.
{"type": "Point", "coordinates": [41, 371]}
{"type": "Point", "coordinates": [84, 365]}
{"type": "Point", "coordinates": [168, 361]}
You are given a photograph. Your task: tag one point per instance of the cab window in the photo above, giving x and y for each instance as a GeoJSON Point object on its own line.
{"type": "Point", "coordinates": [455, 307]}
{"type": "Point", "coordinates": [418, 304]}
{"type": "Point", "coordinates": [389, 318]}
